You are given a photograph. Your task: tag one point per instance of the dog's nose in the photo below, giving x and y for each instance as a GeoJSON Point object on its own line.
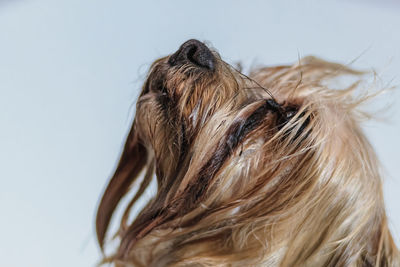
{"type": "Point", "coordinates": [195, 52]}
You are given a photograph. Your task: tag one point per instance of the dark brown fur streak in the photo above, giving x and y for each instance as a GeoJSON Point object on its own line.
{"type": "Point", "coordinates": [134, 152]}
{"type": "Point", "coordinates": [235, 134]}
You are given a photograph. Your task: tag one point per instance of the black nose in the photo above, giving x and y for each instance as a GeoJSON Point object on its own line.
{"type": "Point", "coordinates": [195, 52]}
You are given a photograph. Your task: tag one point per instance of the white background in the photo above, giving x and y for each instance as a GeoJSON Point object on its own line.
{"type": "Point", "coordinates": [70, 72]}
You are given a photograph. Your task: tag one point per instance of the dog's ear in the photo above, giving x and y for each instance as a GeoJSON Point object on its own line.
{"type": "Point", "coordinates": [131, 163]}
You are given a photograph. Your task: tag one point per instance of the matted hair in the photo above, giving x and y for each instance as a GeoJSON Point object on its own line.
{"type": "Point", "coordinates": [248, 176]}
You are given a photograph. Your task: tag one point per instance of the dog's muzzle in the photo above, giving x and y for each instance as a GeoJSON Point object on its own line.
{"type": "Point", "coordinates": [194, 52]}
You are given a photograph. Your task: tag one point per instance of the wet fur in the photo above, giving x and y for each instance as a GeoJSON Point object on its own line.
{"type": "Point", "coordinates": [267, 170]}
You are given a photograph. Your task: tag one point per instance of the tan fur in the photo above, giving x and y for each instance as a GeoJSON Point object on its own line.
{"type": "Point", "coordinates": [305, 191]}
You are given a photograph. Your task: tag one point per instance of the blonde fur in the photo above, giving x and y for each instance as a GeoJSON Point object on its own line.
{"type": "Point", "coordinates": [244, 183]}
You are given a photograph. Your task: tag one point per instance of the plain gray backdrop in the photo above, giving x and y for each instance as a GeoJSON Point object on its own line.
{"type": "Point", "coordinates": [70, 72]}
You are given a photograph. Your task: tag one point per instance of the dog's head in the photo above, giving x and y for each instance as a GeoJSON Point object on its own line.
{"type": "Point", "coordinates": [267, 169]}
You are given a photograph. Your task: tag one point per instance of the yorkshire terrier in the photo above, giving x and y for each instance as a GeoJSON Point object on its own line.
{"type": "Point", "coordinates": [270, 169]}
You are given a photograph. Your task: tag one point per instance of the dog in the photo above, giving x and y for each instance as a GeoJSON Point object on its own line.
{"type": "Point", "coordinates": [270, 169]}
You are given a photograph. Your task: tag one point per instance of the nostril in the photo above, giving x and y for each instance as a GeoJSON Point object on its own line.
{"type": "Point", "coordinates": [195, 52]}
{"type": "Point", "coordinates": [190, 54]}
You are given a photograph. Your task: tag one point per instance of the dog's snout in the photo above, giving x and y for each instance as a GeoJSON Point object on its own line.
{"type": "Point", "coordinates": [195, 52]}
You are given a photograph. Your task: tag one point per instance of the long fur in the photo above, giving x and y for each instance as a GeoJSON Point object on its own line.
{"type": "Point", "coordinates": [267, 170]}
